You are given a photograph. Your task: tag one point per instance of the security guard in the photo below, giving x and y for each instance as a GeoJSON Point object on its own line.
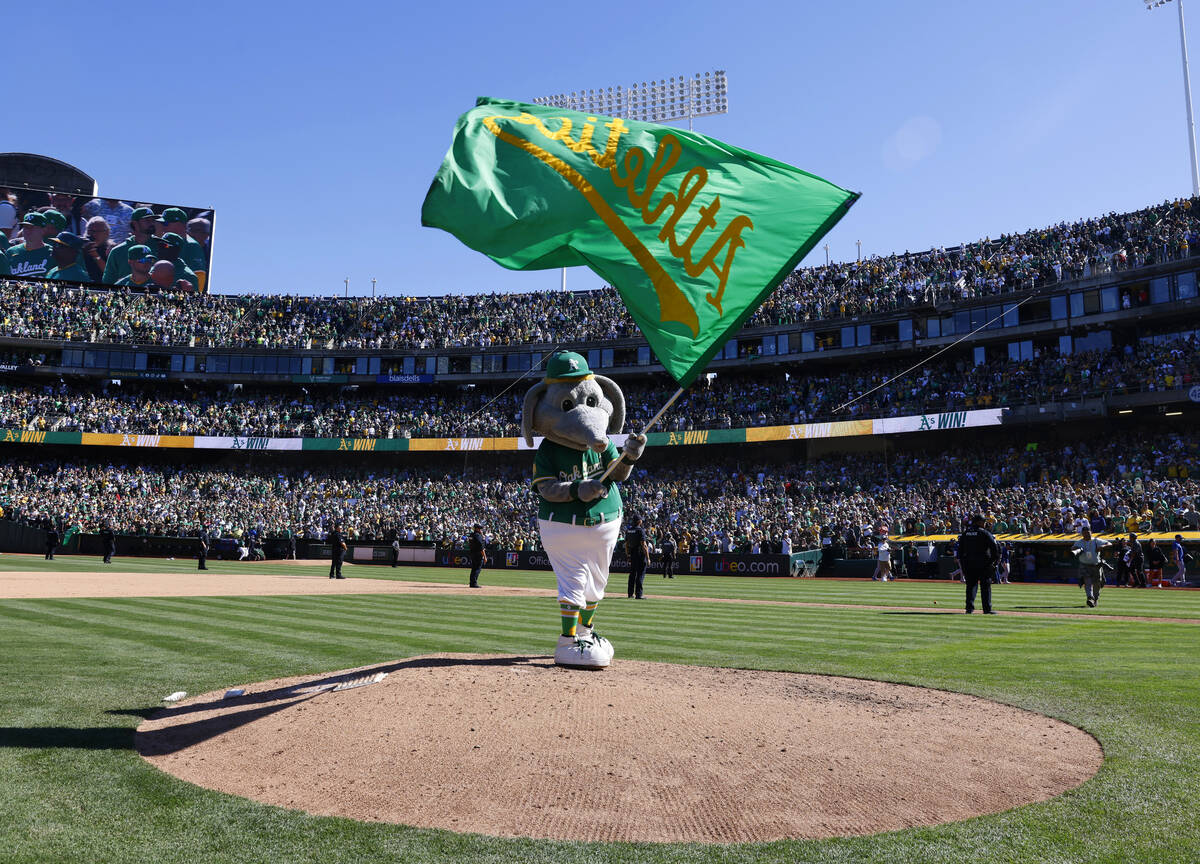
{"type": "Point", "coordinates": [108, 540]}
{"type": "Point", "coordinates": [978, 555]}
{"type": "Point", "coordinates": [338, 547]}
{"type": "Point", "coordinates": [51, 541]}
{"type": "Point", "coordinates": [203, 554]}
{"type": "Point", "coordinates": [478, 553]}
{"type": "Point", "coordinates": [636, 549]}
{"type": "Point", "coordinates": [668, 556]}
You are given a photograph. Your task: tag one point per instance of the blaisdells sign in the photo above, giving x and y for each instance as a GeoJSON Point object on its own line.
{"type": "Point", "coordinates": [693, 233]}
{"type": "Point", "coordinates": [403, 379]}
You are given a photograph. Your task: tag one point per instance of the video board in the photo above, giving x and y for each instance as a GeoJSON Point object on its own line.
{"type": "Point", "coordinates": [117, 242]}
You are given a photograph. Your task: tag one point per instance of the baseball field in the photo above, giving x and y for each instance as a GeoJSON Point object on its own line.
{"type": "Point", "coordinates": [90, 652]}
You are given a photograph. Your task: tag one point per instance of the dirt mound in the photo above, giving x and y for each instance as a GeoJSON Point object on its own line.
{"type": "Point", "coordinates": [516, 747]}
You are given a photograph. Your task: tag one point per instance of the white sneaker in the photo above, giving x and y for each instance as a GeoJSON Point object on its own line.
{"type": "Point", "coordinates": [573, 652]}
{"type": "Point", "coordinates": [587, 634]}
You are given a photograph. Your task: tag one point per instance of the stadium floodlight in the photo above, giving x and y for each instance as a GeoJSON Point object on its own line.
{"type": "Point", "coordinates": [1187, 91]}
{"type": "Point", "coordinates": [662, 101]}
{"type": "Point", "coordinates": [654, 102]}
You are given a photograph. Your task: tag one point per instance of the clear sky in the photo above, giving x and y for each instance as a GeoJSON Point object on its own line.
{"type": "Point", "coordinates": [314, 129]}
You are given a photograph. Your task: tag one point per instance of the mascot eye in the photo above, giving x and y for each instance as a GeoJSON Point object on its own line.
{"type": "Point", "coordinates": [591, 401]}
{"type": "Point", "coordinates": [567, 405]}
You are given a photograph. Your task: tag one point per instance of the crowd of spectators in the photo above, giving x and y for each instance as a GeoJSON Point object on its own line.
{"type": "Point", "coordinates": [724, 401]}
{"type": "Point", "coordinates": [1135, 480]}
{"type": "Point", "coordinates": [1013, 262]}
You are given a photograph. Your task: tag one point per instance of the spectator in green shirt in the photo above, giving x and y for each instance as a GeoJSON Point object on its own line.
{"type": "Point", "coordinates": [174, 221]}
{"type": "Point", "coordinates": [141, 230]}
{"type": "Point", "coordinates": [141, 259]}
{"type": "Point", "coordinates": [169, 247]}
{"type": "Point", "coordinates": [31, 257]}
{"type": "Point", "coordinates": [66, 249]}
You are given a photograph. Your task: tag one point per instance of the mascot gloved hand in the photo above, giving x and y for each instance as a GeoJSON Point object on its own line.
{"type": "Point", "coordinates": [579, 517]}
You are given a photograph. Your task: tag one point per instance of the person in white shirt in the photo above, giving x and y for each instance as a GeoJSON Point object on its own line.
{"type": "Point", "coordinates": [1087, 555]}
{"type": "Point", "coordinates": [883, 560]}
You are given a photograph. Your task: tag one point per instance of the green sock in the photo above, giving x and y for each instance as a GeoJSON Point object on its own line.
{"type": "Point", "coordinates": [570, 618]}
{"type": "Point", "coordinates": [587, 613]}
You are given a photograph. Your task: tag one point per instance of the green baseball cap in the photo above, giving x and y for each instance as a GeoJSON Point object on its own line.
{"type": "Point", "coordinates": [172, 239]}
{"type": "Point", "coordinates": [138, 252]}
{"type": "Point", "coordinates": [567, 365]}
{"type": "Point", "coordinates": [34, 218]}
{"type": "Point", "coordinates": [173, 214]}
{"type": "Point", "coordinates": [141, 213]}
{"type": "Point", "coordinates": [57, 219]}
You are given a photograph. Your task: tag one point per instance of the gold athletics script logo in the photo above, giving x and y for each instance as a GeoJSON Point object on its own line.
{"type": "Point", "coordinates": [626, 174]}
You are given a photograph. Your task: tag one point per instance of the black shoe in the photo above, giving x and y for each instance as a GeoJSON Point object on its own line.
{"type": "Point", "coordinates": [1091, 602]}
{"type": "Point", "coordinates": [989, 612]}
{"type": "Point", "coordinates": [970, 611]}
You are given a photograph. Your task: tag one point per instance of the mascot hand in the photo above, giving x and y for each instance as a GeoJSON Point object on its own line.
{"type": "Point", "coordinates": [634, 445]}
{"type": "Point", "coordinates": [590, 490]}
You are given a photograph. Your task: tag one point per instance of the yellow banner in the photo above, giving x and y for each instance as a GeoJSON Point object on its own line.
{"type": "Point", "coordinates": [458, 445]}
{"type": "Point", "coordinates": [110, 440]}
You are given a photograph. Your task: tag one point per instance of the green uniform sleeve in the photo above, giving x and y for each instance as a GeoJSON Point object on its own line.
{"type": "Point", "coordinates": [112, 269]}
{"type": "Point", "coordinates": [543, 467]}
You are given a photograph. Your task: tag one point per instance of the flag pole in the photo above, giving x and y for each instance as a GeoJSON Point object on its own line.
{"type": "Point", "coordinates": [653, 421]}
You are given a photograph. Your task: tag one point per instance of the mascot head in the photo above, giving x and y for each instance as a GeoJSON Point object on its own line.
{"type": "Point", "coordinates": [573, 406]}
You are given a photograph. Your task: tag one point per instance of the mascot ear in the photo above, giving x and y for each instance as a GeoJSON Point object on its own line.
{"type": "Point", "coordinates": [614, 395]}
{"type": "Point", "coordinates": [532, 396]}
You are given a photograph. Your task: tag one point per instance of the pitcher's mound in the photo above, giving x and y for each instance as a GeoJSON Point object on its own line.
{"type": "Point", "coordinates": [515, 747]}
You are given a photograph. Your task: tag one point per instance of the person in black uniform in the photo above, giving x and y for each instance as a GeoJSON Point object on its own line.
{"type": "Point", "coordinates": [668, 556]}
{"type": "Point", "coordinates": [202, 557]}
{"type": "Point", "coordinates": [1137, 562]}
{"type": "Point", "coordinates": [478, 554]}
{"type": "Point", "coordinates": [338, 547]}
{"type": "Point", "coordinates": [51, 542]}
{"type": "Point", "coordinates": [108, 540]}
{"type": "Point", "coordinates": [978, 555]}
{"type": "Point", "coordinates": [635, 548]}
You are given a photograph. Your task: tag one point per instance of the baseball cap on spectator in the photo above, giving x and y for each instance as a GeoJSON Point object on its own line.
{"type": "Point", "coordinates": [172, 239]}
{"type": "Point", "coordinates": [53, 217]}
{"type": "Point", "coordinates": [139, 252]}
{"type": "Point", "coordinates": [172, 214]}
{"type": "Point", "coordinates": [141, 213]}
{"type": "Point", "coordinates": [66, 238]}
{"type": "Point", "coordinates": [35, 219]}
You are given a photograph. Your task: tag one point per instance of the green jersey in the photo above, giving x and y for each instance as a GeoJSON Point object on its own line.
{"type": "Point", "coordinates": [118, 260]}
{"type": "Point", "coordinates": [75, 273]}
{"type": "Point", "coordinates": [29, 262]}
{"type": "Point", "coordinates": [5, 270]}
{"type": "Point", "coordinates": [193, 255]}
{"type": "Point", "coordinates": [127, 282]}
{"type": "Point", "coordinates": [555, 462]}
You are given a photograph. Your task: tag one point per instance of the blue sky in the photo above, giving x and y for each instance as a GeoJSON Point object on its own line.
{"type": "Point", "coordinates": [314, 129]}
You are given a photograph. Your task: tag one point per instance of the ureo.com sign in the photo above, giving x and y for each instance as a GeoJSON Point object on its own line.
{"type": "Point", "coordinates": [1194, 393]}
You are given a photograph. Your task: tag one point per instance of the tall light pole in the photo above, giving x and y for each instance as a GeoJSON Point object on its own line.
{"type": "Point", "coordinates": [347, 288]}
{"type": "Point", "coordinates": [661, 101]}
{"type": "Point", "coordinates": [1187, 91]}
{"type": "Point", "coordinates": [372, 287]}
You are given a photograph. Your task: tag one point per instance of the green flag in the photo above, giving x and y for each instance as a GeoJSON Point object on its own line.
{"type": "Point", "coordinates": [693, 233]}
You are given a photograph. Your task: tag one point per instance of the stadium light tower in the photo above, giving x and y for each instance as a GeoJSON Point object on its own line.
{"type": "Point", "coordinates": [1187, 91]}
{"type": "Point", "coordinates": [662, 101]}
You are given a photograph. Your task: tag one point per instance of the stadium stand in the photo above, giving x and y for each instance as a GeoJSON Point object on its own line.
{"type": "Point", "coordinates": [1089, 321]}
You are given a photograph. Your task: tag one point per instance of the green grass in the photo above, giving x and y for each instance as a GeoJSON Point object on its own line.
{"type": "Point", "coordinates": [80, 674]}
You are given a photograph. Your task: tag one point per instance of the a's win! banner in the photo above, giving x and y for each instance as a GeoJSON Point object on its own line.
{"type": "Point", "coordinates": [693, 233]}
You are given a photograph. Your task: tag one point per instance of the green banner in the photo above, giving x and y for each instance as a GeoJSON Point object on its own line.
{"type": "Point", "coordinates": [22, 436]}
{"type": "Point", "coordinates": [692, 232]}
{"type": "Point", "coordinates": [350, 445]}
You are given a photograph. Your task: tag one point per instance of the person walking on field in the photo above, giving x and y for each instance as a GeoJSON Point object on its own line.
{"type": "Point", "coordinates": [1087, 554]}
{"type": "Point", "coordinates": [51, 542]}
{"type": "Point", "coordinates": [883, 560]}
{"type": "Point", "coordinates": [478, 551]}
{"type": "Point", "coordinates": [978, 556]}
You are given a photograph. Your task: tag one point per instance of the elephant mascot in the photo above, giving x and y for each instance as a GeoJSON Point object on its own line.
{"type": "Point", "coordinates": [579, 517]}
